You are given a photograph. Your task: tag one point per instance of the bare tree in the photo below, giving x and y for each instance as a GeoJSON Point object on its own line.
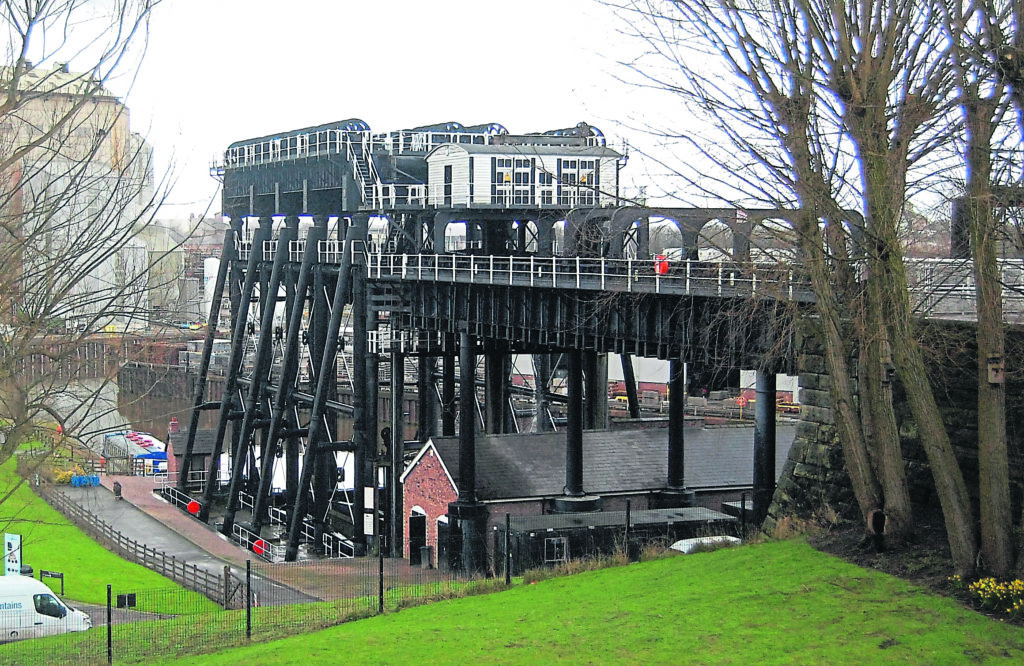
{"type": "Point", "coordinates": [826, 106]}
{"type": "Point", "coordinates": [76, 190]}
{"type": "Point", "coordinates": [982, 102]}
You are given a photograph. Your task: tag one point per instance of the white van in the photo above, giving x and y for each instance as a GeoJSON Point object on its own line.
{"type": "Point", "coordinates": [28, 608]}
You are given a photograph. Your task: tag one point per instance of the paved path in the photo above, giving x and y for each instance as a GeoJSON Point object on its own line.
{"type": "Point", "coordinates": [146, 518]}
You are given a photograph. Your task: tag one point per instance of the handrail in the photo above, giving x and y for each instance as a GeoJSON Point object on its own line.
{"type": "Point", "coordinates": [262, 548]}
{"type": "Point", "coordinates": [336, 545]}
{"type": "Point", "coordinates": [624, 275]}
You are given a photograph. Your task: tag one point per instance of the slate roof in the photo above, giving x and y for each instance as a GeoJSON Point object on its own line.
{"type": "Point", "coordinates": [203, 445]}
{"type": "Point", "coordinates": [520, 466]}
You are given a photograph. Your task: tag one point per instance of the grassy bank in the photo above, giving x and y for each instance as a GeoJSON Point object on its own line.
{"type": "Point", "coordinates": [780, 602]}
{"type": "Point", "coordinates": [49, 541]}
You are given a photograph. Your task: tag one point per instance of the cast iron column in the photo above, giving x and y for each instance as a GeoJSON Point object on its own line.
{"type": "Point", "coordinates": [595, 365]}
{"type": "Point", "coordinates": [448, 387]}
{"type": "Point", "coordinates": [466, 516]}
{"type": "Point", "coordinates": [231, 381]}
{"type": "Point", "coordinates": [396, 449]}
{"type": "Point", "coordinates": [675, 493]}
{"type": "Point", "coordinates": [542, 375]}
{"type": "Point", "coordinates": [574, 428]}
{"type": "Point", "coordinates": [467, 419]}
{"type": "Point", "coordinates": [495, 391]}
{"type": "Point", "coordinates": [764, 444]}
{"type": "Point", "coordinates": [227, 259]}
{"type": "Point", "coordinates": [629, 379]}
{"type": "Point", "coordinates": [575, 499]}
{"type": "Point", "coordinates": [426, 398]}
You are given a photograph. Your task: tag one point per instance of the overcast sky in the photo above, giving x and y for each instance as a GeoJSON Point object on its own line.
{"type": "Point", "coordinates": [218, 71]}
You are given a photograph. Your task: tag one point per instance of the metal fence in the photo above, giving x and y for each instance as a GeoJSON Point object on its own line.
{"type": "Point", "coordinates": [223, 587]}
{"type": "Point", "coordinates": [283, 599]}
{"type": "Point", "coordinates": [274, 600]}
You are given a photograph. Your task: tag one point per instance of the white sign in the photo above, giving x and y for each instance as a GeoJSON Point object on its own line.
{"type": "Point", "coordinates": [12, 554]}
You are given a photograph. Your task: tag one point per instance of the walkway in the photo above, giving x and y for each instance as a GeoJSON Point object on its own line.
{"type": "Point", "coordinates": [146, 518]}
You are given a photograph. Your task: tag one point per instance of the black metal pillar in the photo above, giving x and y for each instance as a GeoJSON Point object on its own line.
{"type": "Point", "coordinates": [322, 483]}
{"type": "Point", "coordinates": [280, 418]}
{"type": "Point", "coordinates": [258, 383]}
{"type": "Point", "coordinates": [676, 422]}
{"type": "Point", "coordinates": [396, 450]}
{"type": "Point", "coordinates": [426, 399]}
{"type": "Point", "coordinates": [575, 498]}
{"type": "Point", "coordinates": [595, 373]}
{"type": "Point", "coordinates": [231, 381]}
{"type": "Point", "coordinates": [364, 438]}
{"type": "Point", "coordinates": [675, 493]}
{"type": "Point", "coordinates": [294, 330]}
{"type": "Point", "coordinates": [227, 259]}
{"type": "Point", "coordinates": [764, 444]}
{"type": "Point", "coordinates": [542, 376]}
{"type": "Point", "coordinates": [326, 375]}
{"type": "Point", "coordinates": [574, 428]}
{"type": "Point", "coordinates": [495, 390]}
{"type": "Point", "coordinates": [448, 387]}
{"type": "Point", "coordinates": [371, 395]}
{"type": "Point", "coordinates": [629, 379]}
{"type": "Point", "coordinates": [466, 516]}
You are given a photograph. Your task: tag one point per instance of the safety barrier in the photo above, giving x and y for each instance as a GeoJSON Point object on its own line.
{"type": "Point", "coordinates": [703, 278]}
{"type": "Point", "coordinates": [221, 588]}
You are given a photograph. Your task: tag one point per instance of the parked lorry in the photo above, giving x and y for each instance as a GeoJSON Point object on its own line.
{"type": "Point", "coordinates": [28, 608]}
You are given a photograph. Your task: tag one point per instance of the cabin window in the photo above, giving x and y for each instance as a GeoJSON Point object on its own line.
{"type": "Point", "coordinates": [501, 180]}
{"type": "Point", "coordinates": [556, 549]}
{"type": "Point", "coordinates": [48, 605]}
{"type": "Point", "coordinates": [578, 182]}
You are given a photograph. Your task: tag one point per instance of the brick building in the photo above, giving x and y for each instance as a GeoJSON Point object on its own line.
{"type": "Point", "coordinates": [523, 474]}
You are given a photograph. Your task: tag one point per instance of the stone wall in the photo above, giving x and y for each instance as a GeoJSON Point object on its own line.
{"type": "Point", "coordinates": [814, 483]}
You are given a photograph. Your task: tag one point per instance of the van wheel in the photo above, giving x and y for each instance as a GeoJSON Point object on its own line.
{"type": "Point", "coordinates": [14, 634]}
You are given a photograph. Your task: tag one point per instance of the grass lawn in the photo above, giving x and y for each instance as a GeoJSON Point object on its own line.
{"type": "Point", "coordinates": [50, 542]}
{"type": "Point", "coordinates": [780, 602]}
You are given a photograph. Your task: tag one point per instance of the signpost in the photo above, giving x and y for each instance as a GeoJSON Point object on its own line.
{"type": "Point", "coordinates": [43, 573]}
{"type": "Point", "coordinates": [12, 554]}
{"type": "Point", "coordinates": [741, 402]}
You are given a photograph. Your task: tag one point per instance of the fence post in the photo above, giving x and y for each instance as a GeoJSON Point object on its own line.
{"type": "Point", "coordinates": [227, 585]}
{"type": "Point", "coordinates": [627, 529]}
{"type": "Point", "coordinates": [379, 528]}
{"type": "Point", "coordinates": [248, 599]}
{"type": "Point", "coordinates": [743, 516]}
{"type": "Point", "coordinates": [110, 623]}
{"type": "Point", "coordinates": [508, 549]}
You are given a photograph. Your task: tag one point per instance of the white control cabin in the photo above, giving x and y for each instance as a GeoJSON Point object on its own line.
{"type": "Point", "coordinates": [513, 175]}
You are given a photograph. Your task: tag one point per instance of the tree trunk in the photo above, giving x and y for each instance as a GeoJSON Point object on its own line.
{"type": "Point", "coordinates": [855, 450]}
{"type": "Point", "coordinates": [876, 400]}
{"type": "Point", "coordinates": [993, 464]}
{"type": "Point", "coordinates": [949, 481]}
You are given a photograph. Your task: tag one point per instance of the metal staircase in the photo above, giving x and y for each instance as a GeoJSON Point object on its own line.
{"type": "Point", "coordinates": [365, 173]}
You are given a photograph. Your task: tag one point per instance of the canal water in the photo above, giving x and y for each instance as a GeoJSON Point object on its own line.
{"type": "Point", "coordinates": [102, 409]}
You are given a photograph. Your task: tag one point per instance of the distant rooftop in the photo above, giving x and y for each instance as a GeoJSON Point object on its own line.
{"type": "Point", "coordinates": [53, 79]}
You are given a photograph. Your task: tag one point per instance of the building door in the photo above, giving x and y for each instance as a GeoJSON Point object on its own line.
{"type": "Point", "coordinates": [448, 185]}
{"type": "Point", "coordinates": [417, 536]}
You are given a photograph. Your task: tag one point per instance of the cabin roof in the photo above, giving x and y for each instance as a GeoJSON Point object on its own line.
{"type": "Point", "coordinates": [517, 150]}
